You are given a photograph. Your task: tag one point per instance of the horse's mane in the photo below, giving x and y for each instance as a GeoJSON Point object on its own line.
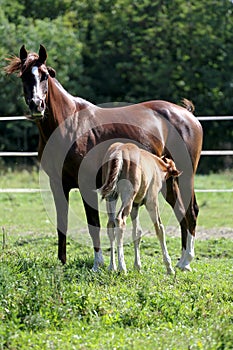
{"type": "Point", "coordinates": [188, 105]}
{"type": "Point", "coordinates": [16, 65]}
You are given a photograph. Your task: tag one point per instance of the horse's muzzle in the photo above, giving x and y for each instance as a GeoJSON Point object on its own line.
{"type": "Point", "coordinates": [37, 108]}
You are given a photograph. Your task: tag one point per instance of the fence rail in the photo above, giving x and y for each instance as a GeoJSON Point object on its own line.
{"type": "Point", "coordinates": [218, 118]}
{"type": "Point", "coordinates": [38, 190]}
{"type": "Point", "coordinates": [9, 119]}
{"type": "Point", "coordinates": [18, 154]}
{"type": "Point", "coordinates": [203, 153]}
{"type": "Point", "coordinates": [217, 153]}
{"type": "Point", "coordinates": [202, 118]}
{"type": "Point", "coordinates": [34, 154]}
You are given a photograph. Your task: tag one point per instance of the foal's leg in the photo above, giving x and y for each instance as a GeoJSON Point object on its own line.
{"type": "Point", "coordinates": [122, 215]}
{"type": "Point", "coordinates": [136, 235]}
{"type": "Point", "coordinates": [119, 229]}
{"type": "Point", "coordinates": [111, 210]}
{"type": "Point", "coordinates": [152, 207]}
{"type": "Point", "coordinates": [161, 236]}
{"type": "Point", "coordinates": [92, 215]}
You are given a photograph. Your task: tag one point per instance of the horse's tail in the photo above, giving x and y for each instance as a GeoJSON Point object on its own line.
{"type": "Point", "coordinates": [111, 174]}
{"type": "Point", "coordinates": [188, 105]}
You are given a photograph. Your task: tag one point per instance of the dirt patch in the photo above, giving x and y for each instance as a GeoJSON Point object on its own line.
{"type": "Point", "coordinates": [203, 233]}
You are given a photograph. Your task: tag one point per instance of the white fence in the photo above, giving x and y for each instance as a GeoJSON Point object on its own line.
{"type": "Point", "coordinates": [33, 154]}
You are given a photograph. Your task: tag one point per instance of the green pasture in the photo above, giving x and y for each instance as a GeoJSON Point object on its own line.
{"type": "Point", "coordinates": [44, 305]}
{"type": "Point", "coordinates": [34, 212]}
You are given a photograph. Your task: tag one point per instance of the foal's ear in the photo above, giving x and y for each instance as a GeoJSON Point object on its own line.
{"type": "Point", "coordinates": [176, 173]}
{"type": "Point", "coordinates": [171, 168]}
{"type": "Point", "coordinates": [52, 72]}
{"type": "Point", "coordinates": [42, 54]}
{"type": "Point", "coordinates": [23, 54]}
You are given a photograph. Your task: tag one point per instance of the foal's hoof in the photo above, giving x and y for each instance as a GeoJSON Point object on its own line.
{"type": "Point", "coordinates": [112, 268]}
{"type": "Point", "coordinates": [137, 267]}
{"type": "Point", "coordinates": [184, 268]}
{"type": "Point", "coordinates": [179, 264]}
{"type": "Point", "coordinates": [171, 272]}
{"type": "Point", "coordinates": [122, 270]}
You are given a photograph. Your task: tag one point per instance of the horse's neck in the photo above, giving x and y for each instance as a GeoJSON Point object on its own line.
{"type": "Point", "coordinates": [61, 104]}
{"type": "Point", "coordinates": [62, 110]}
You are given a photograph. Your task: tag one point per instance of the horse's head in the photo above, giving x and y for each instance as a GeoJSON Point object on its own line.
{"type": "Point", "coordinates": [34, 74]}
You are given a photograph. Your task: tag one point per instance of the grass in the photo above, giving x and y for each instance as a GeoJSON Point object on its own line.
{"type": "Point", "coordinates": [44, 305]}
{"type": "Point", "coordinates": [31, 212]}
{"type": "Point", "coordinates": [215, 207]}
{"type": "Point", "coordinates": [47, 306]}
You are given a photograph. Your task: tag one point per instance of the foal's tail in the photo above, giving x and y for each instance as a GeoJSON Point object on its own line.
{"type": "Point", "coordinates": [111, 172]}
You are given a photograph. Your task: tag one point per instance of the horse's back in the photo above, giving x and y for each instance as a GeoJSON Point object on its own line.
{"type": "Point", "coordinates": [156, 119]}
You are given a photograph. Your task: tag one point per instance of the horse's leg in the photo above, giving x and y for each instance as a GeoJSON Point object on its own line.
{"type": "Point", "coordinates": [136, 235]}
{"type": "Point", "coordinates": [152, 207]}
{"type": "Point", "coordinates": [93, 221]}
{"type": "Point", "coordinates": [188, 253]}
{"type": "Point", "coordinates": [186, 217]}
{"type": "Point", "coordinates": [111, 210]}
{"type": "Point", "coordinates": [61, 199]}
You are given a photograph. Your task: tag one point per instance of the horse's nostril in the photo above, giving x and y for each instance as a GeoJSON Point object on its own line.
{"type": "Point", "coordinates": [36, 105]}
{"type": "Point", "coordinates": [32, 105]}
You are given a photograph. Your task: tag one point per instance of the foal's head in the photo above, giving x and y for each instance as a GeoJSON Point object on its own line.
{"type": "Point", "coordinates": [34, 75]}
{"type": "Point", "coordinates": [169, 167]}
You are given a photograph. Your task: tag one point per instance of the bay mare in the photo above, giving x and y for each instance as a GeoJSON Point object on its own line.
{"type": "Point", "coordinates": [74, 135]}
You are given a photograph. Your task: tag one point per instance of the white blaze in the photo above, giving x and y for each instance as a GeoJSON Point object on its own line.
{"type": "Point", "coordinates": [35, 71]}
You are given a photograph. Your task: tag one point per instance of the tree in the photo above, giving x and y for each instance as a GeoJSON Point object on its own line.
{"type": "Point", "coordinates": [129, 51]}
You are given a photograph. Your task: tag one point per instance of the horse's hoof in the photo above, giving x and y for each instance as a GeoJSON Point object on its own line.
{"type": "Point", "coordinates": [94, 269]}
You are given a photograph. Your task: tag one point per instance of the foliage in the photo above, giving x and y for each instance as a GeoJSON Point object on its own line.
{"type": "Point", "coordinates": [128, 51]}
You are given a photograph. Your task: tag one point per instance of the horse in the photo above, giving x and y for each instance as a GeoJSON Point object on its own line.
{"type": "Point", "coordinates": [136, 176]}
{"type": "Point", "coordinates": [74, 134]}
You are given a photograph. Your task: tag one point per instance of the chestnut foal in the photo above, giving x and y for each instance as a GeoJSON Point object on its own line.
{"type": "Point", "coordinates": [137, 177]}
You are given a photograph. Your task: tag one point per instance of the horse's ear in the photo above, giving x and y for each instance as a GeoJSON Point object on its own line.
{"type": "Point", "coordinates": [52, 72]}
{"type": "Point", "coordinates": [23, 53]}
{"type": "Point", "coordinates": [42, 54]}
